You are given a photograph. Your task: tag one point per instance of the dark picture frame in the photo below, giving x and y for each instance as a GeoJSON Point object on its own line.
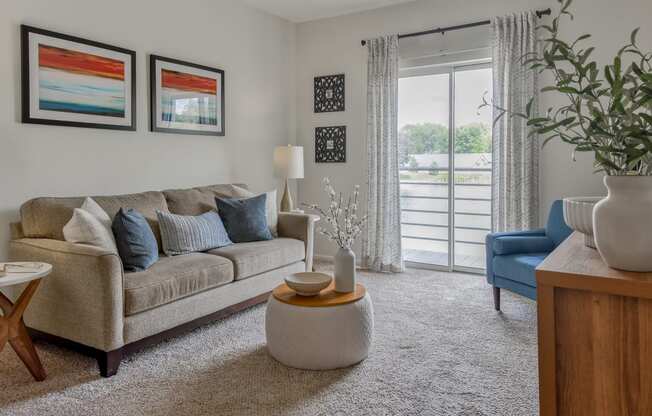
{"type": "Point", "coordinates": [329, 93]}
{"type": "Point", "coordinates": [330, 144]}
{"type": "Point", "coordinates": [203, 123]}
{"type": "Point", "coordinates": [56, 67]}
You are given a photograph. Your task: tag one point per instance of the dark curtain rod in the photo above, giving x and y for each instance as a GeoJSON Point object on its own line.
{"type": "Point", "coordinates": [458, 27]}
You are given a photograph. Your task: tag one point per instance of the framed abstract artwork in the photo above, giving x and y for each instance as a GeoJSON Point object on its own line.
{"type": "Point", "coordinates": [186, 98]}
{"type": "Point", "coordinates": [329, 93]}
{"type": "Point", "coordinates": [330, 144]}
{"type": "Point", "coordinates": [70, 81]}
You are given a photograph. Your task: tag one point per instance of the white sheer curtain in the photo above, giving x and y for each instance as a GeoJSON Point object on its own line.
{"type": "Point", "coordinates": [381, 249]}
{"type": "Point", "coordinates": [515, 155]}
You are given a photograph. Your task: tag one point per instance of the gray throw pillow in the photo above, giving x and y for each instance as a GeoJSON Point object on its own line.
{"type": "Point", "coordinates": [182, 234]}
{"type": "Point", "coordinates": [135, 240]}
{"type": "Point", "coordinates": [244, 219]}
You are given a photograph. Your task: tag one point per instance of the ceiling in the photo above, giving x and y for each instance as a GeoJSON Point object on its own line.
{"type": "Point", "coordinates": [305, 10]}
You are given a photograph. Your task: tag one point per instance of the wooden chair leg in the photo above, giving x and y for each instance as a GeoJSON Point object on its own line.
{"type": "Point", "coordinates": [109, 362]}
{"type": "Point", "coordinates": [497, 298]}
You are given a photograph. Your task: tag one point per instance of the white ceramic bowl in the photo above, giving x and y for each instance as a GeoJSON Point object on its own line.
{"type": "Point", "coordinates": [308, 283]}
{"type": "Point", "coordinates": [578, 214]}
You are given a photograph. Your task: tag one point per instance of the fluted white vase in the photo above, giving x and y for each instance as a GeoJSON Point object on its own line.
{"type": "Point", "coordinates": [344, 270]}
{"type": "Point", "coordinates": [578, 215]}
{"type": "Point", "coordinates": [622, 223]}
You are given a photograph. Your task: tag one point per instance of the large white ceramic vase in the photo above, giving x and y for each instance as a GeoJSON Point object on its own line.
{"type": "Point", "coordinates": [622, 223]}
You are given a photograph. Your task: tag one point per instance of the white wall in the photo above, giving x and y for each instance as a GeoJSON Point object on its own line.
{"type": "Point", "coordinates": [256, 51]}
{"type": "Point", "coordinates": [332, 46]}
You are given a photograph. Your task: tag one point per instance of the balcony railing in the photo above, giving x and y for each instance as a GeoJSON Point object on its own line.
{"type": "Point", "coordinates": [472, 211]}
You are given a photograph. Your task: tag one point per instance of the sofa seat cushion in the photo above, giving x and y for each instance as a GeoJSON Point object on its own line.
{"type": "Point", "coordinates": [519, 267]}
{"type": "Point", "coordinates": [173, 278]}
{"type": "Point", "coordinates": [250, 259]}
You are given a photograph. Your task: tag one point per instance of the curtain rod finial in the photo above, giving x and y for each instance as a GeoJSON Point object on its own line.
{"type": "Point", "coordinates": [363, 42]}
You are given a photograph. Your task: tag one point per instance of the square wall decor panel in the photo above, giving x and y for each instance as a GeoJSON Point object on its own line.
{"type": "Point", "coordinates": [329, 93]}
{"type": "Point", "coordinates": [330, 144]}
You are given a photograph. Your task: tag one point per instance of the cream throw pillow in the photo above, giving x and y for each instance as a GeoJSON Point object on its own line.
{"type": "Point", "coordinates": [90, 225]}
{"type": "Point", "coordinates": [271, 212]}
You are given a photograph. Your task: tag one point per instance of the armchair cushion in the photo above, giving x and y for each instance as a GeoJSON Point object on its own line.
{"type": "Point", "coordinates": [518, 267]}
{"type": "Point", "coordinates": [515, 244]}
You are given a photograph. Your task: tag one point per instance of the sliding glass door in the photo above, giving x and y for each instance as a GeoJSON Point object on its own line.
{"type": "Point", "coordinates": [445, 172]}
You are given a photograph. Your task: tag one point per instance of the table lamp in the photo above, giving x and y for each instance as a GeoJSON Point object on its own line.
{"type": "Point", "coordinates": [288, 163]}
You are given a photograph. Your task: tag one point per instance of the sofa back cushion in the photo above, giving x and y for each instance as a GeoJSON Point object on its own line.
{"type": "Point", "coordinates": [46, 217]}
{"type": "Point", "coordinates": [189, 201]}
{"type": "Point", "coordinates": [222, 190]}
{"type": "Point", "coordinates": [196, 201]}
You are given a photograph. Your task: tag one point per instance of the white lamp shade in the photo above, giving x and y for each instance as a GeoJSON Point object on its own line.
{"type": "Point", "coordinates": [288, 161]}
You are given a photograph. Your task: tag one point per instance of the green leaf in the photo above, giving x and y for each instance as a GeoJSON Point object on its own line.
{"type": "Point", "coordinates": [537, 120]}
{"type": "Point", "coordinates": [607, 74]}
{"type": "Point", "coordinates": [616, 69]}
{"type": "Point", "coordinates": [633, 36]}
{"type": "Point", "coordinates": [582, 37]}
{"type": "Point", "coordinates": [528, 107]}
{"type": "Point", "coordinates": [605, 162]}
{"type": "Point", "coordinates": [568, 90]}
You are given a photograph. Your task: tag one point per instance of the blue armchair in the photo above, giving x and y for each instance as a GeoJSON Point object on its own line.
{"type": "Point", "coordinates": [512, 257]}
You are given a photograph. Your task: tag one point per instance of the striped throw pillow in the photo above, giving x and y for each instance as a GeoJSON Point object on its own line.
{"type": "Point", "coordinates": [182, 234]}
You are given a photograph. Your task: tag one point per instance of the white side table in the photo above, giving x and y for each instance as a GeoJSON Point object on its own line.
{"type": "Point", "coordinates": [323, 332]}
{"type": "Point", "coordinates": [12, 327]}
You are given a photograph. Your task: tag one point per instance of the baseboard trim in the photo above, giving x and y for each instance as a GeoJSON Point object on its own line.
{"type": "Point", "coordinates": [107, 359]}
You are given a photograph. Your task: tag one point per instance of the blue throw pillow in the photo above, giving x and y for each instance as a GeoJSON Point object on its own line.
{"type": "Point", "coordinates": [244, 219]}
{"type": "Point", "coordinates": [182, 234]}
{"type": "Point", "coordinates": [135, 240]}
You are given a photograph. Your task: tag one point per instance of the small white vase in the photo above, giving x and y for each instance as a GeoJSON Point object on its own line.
{"type": "Point", "coordinates": [344, 270]}
{"type": "Point", "coordinates": [622, 223]}
{"type": "Point", "coordinates": [578, 215]}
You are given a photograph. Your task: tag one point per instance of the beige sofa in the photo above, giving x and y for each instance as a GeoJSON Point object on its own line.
{"type": "Point", "coordinates": [90, 303]}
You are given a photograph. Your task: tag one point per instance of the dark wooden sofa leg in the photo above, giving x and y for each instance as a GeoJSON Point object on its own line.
{"type": "Point", "coordinates": [497, 298]}
{"type": "Point", "coordinates": [109, 362]}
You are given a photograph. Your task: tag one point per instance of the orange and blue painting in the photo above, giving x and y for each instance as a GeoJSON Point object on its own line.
{"type": "Point", "coordinates": [188, 98]}
{"type": "Point", "coordinates": [78, 82]}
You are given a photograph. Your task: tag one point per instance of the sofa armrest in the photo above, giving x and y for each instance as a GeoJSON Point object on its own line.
{"type": "Point", "coordinates": [490, 242]}
{"type": "Point", "coordinates": [522, 244]}
{"type": "Point", "coordinates": [82, 298]}
{"type": "Point", "coordinates": [301, 227]}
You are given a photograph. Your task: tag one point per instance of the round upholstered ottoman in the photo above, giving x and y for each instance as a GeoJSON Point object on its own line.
{"type": "Point", "coordinates": [323, 332]}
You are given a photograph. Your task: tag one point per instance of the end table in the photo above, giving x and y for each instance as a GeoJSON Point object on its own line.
{"type": "Point", "coordinates": [323, 332]}
{"type": "Point", "coordinates": [12, 327]}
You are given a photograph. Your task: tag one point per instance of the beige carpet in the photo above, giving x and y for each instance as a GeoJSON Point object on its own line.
{"type": "Point", "coordinates": [439, 349]}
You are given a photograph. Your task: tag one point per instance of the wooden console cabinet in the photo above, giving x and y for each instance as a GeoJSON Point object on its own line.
{"type": "Point", "coordinates": [595, 335]}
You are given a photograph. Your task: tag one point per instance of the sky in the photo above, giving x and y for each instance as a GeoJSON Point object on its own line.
{"type": "Point", "coordinates": [425, 98]}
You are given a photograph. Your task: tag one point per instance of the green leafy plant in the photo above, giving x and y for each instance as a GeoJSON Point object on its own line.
{"type": "Point", "coordinates": [608, 110]}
